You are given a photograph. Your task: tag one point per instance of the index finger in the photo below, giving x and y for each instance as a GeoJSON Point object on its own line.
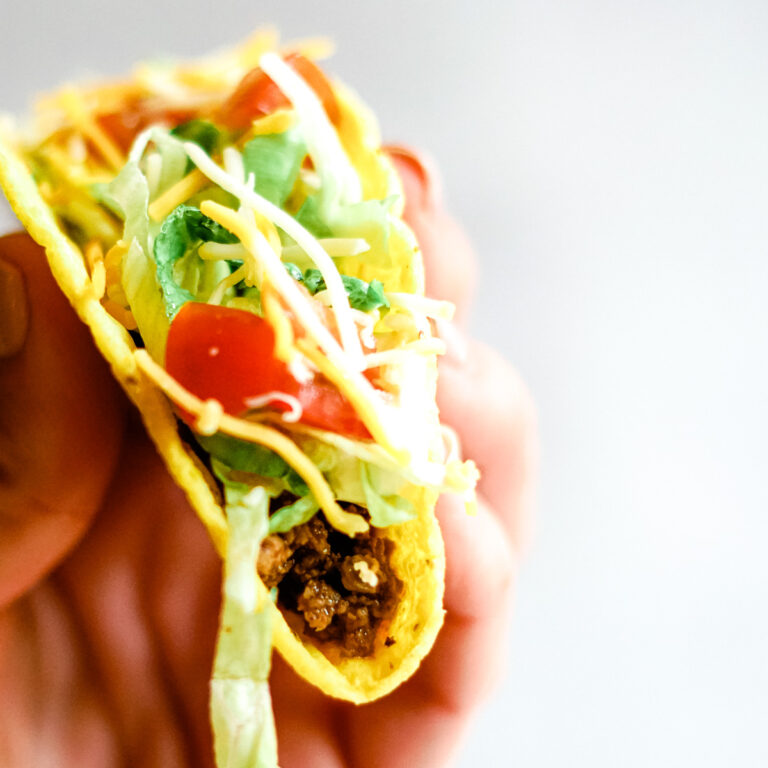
{"type": "Point", "coordinates": [449, 259]}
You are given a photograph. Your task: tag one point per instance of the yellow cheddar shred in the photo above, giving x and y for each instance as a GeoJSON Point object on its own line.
{"type": "Point", "coordinates": [275, 122]}
{"type": "Point", "coordinates": [85, 123]}
{"type": "Point", "coordinates": [285, 350]}
{"type": "Point", "coordinates": [360, 403]}
{"type": "Point", "coordinates": [177, 194]}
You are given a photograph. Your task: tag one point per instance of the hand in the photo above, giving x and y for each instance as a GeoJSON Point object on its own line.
{"type": "Point", "coordinates": [109, 587]}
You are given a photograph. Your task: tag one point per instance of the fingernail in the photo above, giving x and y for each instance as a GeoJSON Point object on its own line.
{"type": "Point", "coordinates": [422, 170]}
{"type": "Point", "coordinates": [456, 345]}
{"type": "Point", "coordinates": [14, 310]}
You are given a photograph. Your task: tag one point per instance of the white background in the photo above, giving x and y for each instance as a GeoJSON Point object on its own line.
{"type": "Point", "coordinates": [610, 161]}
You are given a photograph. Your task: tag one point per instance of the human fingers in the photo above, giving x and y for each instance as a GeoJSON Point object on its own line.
{"type": "Point", "coordinates": [306, 721]}
{"type": "Point", "coordinates": [60, 420]}
{"type": "Point", "coordinates": [145, 586]}
{"type": "Point", "coordinates": [423, 722]}
{"type": "Point", "coordinates": [480, 395]}
{"type": "Point", "coordinates": [484, 399]}
{"type": "Point", "coordinates": [449, 259]}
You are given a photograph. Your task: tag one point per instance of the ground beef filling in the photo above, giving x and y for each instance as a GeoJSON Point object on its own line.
{"type": "Point", "coordinates": [343, 588]}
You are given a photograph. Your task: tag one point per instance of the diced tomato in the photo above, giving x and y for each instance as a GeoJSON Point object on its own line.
{"type": "Point", "coordinates": [125, 125]}
{"type": "Point", "coordinates": [228, 354]}
{"type": "Point", "coordinates": [257, 95]}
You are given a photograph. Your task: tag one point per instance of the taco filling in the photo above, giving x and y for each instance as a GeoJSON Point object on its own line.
{"type": "Point", "coordinates": [340, 593]}
{"type": "Point", "coordinates": [242, 252]}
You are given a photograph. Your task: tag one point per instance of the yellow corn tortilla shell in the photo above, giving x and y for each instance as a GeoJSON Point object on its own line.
{"type": "Point", "coordinates": [418, 557]}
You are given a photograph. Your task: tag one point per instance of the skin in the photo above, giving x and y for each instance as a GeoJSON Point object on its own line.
{"type": "Point", "coordinates": [109, 586]}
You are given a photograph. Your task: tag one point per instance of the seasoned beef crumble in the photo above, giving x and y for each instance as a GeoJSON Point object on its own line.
{"type": "Point", "coordinates": [342, 588]}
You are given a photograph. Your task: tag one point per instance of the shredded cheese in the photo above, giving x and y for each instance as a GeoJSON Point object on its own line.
{"type": "Point", "coordinates": [346, 522]}
{"type": "Point", "coordinates": [313, 249]}
{"type": "Point", "coordinates": [284, 349]}
{"type": "Point", "coordinates": [84, 122]}
{"type": "Point", "coordinates": [113, 262]}
{"type": "Point", "coordinates": [333, 246]}
{"type": "Point", "coordinates": [260, 401]}
{"type": "Point", "coordinates": [275, 122]}
{"type": "Point", "coordinates": [452, 477]}
{"type": "Point", "coordinates": [174, 196]}
{"type": "Point", "coordinates": [403, 354]}
{"type": "Point", "coordinates": [349, 381]}
{"type": "Point", "coordinates": [99, 280]}
{"type": "Point", "coordinates": [77, 149]}
{"type": "Point", "coordinates": [258, 249]}
{"type": "Point", "coordinates": [340, 179]}
{"type": "Point", "coordinates": [121, 314]}
{"type": "Point", "coordinates": [372, 412]}
{"type": "Point", "coordinates": [222, 251]}
{"type": "Point", "coordinates": [154, 170]}
{"type": "Point", "coordinates": [140, 144]}
{"type": "Point", "coordinates": [443, 310]}
{"type": "Point", "coordinates": [94, 256]}
{"type": "Point", "coordinates": [233, 164]}
{"type": "Point", "coordinates": [230, 281]}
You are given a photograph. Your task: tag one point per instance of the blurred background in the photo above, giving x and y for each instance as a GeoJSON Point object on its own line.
{"type": "Point", "coordinates": [610, 161]}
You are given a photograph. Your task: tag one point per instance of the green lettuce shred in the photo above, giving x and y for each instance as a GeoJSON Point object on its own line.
{"type": "Point", "coordinates": [174, 160]}
{"type": "Point", "coordinates": [275, 161]}
{"type": "Point", "coordinates": [310, 218]}
{"type": "Point", "coordinates": [287, 517]}
{"type": "Point", "coordinates": [202, 132]}
{"type": "Point", "coordinates": [384, 510]}
{"type": "Point", "coordinates": [251, 457]}
{"type": "Point", "coordinates": [363, 296]}
{"type": "Point", "coordinates": [128, 195]}
{"type": "Point", "coordinates": [240, 704]}
{"type": "Point", "coordinates": [183, 228]}
{"type": "Point", "coordinates": [369, 220]}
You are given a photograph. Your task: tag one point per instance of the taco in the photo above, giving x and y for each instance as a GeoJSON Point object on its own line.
{"type": "Point", "coordinates": [230, 230]}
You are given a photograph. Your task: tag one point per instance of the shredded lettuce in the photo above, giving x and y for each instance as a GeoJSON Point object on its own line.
{"type": "Point", "coordinates": [128, 195]}
{"type": "Point", "coordinates": [301, 511]}
{"type": "Point", "coordinates": [240, 704]}
{"type": "Point", "coordinates": [369, 220]}
{"type": "Point", "coordinates": [310, 218]}
{"type": "Point", "coordinates": [253, 458]}
{"type": "Point", "coordinates": [202, 132]}
{"type": "Point", "coordinates": [384, 510]}
{"type": "Point", "coordinates": [173, 158]}
{"type": "Point", "coordinates": [275, 160]}
{"type": "Point", "coordinates": [183, 228]}
{"type": "Point", "coordinates": [293, 271]}
{"type": "Point", "coordinates": [363, 296]}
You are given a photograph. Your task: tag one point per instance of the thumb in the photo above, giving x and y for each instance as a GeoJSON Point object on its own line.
{"type": "Point", "coordinates": [61, 418]}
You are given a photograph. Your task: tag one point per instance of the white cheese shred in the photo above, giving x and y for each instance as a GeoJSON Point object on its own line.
{"type": "Point", "coordinates": [403, 354]}
{"type": "Point", "coordinates": [328, 156]}
{"type": "Point", "coordinates": [260, 401]}
{"type": "Point", "coordinates": [443, 310]}
{"type": "Point", "coordinates": [313, 249]}
{"type": "Point", "coordinates": [233, 164]}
